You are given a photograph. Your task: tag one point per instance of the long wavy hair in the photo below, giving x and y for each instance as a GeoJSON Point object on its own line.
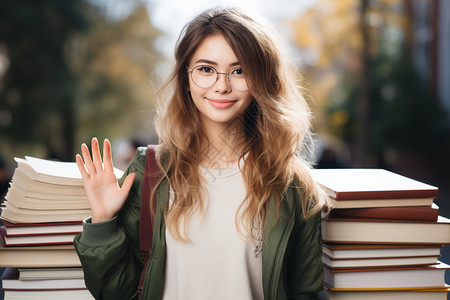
{"type": "Point", "coordinates": [277, 124]}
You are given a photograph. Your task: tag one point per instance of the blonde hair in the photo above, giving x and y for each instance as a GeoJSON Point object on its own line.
{"type": "Point", "coordinates": [277, 124]}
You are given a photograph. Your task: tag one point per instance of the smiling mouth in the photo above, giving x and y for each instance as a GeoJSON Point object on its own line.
{"type": "Point", "coordinates": [221, 103]}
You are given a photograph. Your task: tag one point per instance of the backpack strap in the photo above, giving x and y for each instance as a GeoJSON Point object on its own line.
{"type": "Point", "coordinates": [146, 222]}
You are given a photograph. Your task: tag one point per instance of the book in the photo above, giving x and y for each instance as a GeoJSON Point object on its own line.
{"type": "Point", "coordinates": [45, 284]}
{"type": "Point", "coordinates": [416, 213]}
{"type": "Point", "coordinates": [80, 294]}
{"type": "Point", "coordinates": [13, 214]}
{"type": "Point", "coordinates": [377, 294]}
{"type": "Point", "coordinates": [11, 281]}
{"type": "Point", "coordinates": [36, 239]}
{"type": "Point", "coordinates": [364, 231]}
{"type": "Point", "coordinates": [49, 171]}
{"type": "Point", "coordinates": [39, 256]}
{"type": "Point", "coordinates": [55, 172]}
{"type": "Point", "coordinates": [12, 229]}
{"type": "Point", "coordinates": [393, 277]}
{"type": "Point", "coordinates": [360, 184]}
{"type": "Point", "coordinates": [32, 188]}
{"type": "Point", "coordinates": [45, 191]}
{"type": "Point", "coordinates": [45, 201]}
{"type": "Point", "coordinates": [392, 202]}
{"type": "Point", "coordinates": [354, 251]}
{"type": "Point", "coordinates": [50, 273]}
{"type": "Point", "coordinates": [333, 263]}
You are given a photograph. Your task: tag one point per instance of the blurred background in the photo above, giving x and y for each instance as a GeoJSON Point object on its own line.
{"type": "Point", "coordinates": [377, 73]}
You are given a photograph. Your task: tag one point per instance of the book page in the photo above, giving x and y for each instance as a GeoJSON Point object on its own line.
{"type": "Point", "coordinates": [54, 168]}
{"type": "Point", "coordinates": [57, 168]}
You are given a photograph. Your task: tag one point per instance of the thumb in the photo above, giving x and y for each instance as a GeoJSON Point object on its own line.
{"type": "Point", "coordinates": [128, 183]}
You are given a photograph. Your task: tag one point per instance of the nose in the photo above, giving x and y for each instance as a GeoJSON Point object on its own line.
{"type": "Point", "coordinates": [222, 84]}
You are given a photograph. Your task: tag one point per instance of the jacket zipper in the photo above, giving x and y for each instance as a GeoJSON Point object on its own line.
{"type": "Point", "coordinates": [280, 258]}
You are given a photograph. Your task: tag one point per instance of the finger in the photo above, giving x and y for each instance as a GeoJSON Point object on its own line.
{"type": "Point", "coordinates": [107, 158]}
{"type": "Point", "coordinates": [80, 164]}
{"type": "Point", "coordinates": [96, 158]}
{"type": "Point", "coordinates": [128, 183]}
{"type": "Point", "coordinates": [87, 159]}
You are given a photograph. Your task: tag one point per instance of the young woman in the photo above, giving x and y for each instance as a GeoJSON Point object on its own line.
{"type": "Point", "coordinates": [238, 215]}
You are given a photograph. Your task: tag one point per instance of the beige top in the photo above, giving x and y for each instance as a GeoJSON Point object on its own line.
{"type": "Point", "coordinates": [216, 263]}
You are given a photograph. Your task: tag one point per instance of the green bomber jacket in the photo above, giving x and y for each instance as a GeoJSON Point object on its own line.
{"type": "Point", "coordinates": [112, 263]}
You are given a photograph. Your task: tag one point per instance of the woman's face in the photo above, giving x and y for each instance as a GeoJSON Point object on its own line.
{"type": "Point", "coordinates": [222, 102]}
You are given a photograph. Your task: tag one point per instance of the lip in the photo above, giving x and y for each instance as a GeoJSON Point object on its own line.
{"type": "Point", "coordinates": [221, 103]}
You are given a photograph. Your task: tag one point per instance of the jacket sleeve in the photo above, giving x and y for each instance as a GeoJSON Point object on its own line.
{"type": "Point", "coordinates": [109, 251]}
{"type": "Point", "coordinates": [304, 264]}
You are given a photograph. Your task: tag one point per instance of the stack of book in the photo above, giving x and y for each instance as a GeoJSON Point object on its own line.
{"type": "Point", "coordinates": [45, 283]}
{"type": "Point", "coordinates": [45, 191]}
{"type": "Point", "coordinates": [44, 209]}
{"type": "Point", "coordinates": [383, 237]}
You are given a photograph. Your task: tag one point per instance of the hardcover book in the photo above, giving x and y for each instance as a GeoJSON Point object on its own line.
{"type": "Point", "coordinates": [413, 213]}
{"type": "Point", "coordinates": [39, 256]}
{"type": "Point", "coordinates": [50, 273]}
{"type": "Point", "coordinates": [378, 262]}
{"type": "Point", "coordinates": [11, 281]}
{"type": "Point", "coordinates": [359, 184]}
{"type": "Point", "coordinates": [74, 294]}
{"type": "Point", "coordinates": [36, 239]}
{"type": "Point", "coordinates": [377, 294]}
{"type": "Point", "coordinates": [366, 251]}
{"type": "Point", "coordinates": [399, 277]}
{"type": "Point", "coordinates": [380, 231]}
{"type": "Point", "coordinates": [12, 229]}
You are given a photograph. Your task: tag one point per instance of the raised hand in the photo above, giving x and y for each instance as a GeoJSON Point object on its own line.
{"type": "Point", "coordinates": [105, 196]}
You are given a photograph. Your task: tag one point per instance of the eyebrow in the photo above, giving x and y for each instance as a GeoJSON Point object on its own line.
{"type": "Point", "coordinates": [210, 62]}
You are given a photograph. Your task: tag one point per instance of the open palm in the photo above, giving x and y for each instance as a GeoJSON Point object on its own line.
{"type": "Point", "coordinates": [104, 194]}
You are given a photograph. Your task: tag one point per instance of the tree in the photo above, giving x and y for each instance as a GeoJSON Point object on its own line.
{"type": "Point", "coordinates": [73, 73]}
{"type": "Point", "coordinates": [371, 96]}
{"type": "Point", "coordinates": [114, 62]}
{"type": "Point", "coordinates": [36, 91]}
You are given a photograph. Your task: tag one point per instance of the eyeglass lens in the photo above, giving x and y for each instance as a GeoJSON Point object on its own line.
{"type": "Point", "coordinates": [205, 77]}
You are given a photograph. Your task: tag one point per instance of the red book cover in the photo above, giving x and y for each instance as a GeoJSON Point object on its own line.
{"type": "Point", "coordinates": [13, 229]}
{"type": "Point", "coordinates": [36, 239]}
{"type": "Point", "coordinates": [416, 213]}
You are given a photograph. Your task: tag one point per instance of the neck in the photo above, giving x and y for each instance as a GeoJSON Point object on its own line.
{"type": "Point", "coordinates": [225, 145]}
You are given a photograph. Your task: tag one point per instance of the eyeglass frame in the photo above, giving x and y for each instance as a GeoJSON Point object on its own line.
{"type": "Point", "coordinates": [217, 77]}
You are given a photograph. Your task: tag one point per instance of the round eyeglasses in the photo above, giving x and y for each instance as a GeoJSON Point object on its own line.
{"type": "Point", "coordinates": [206, 76]}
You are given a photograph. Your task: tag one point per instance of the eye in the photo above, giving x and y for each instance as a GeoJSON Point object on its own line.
{"type": "Point", "coordinates": [237, 72]}
{"type": "Point", "coordinates": [205, 69]}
